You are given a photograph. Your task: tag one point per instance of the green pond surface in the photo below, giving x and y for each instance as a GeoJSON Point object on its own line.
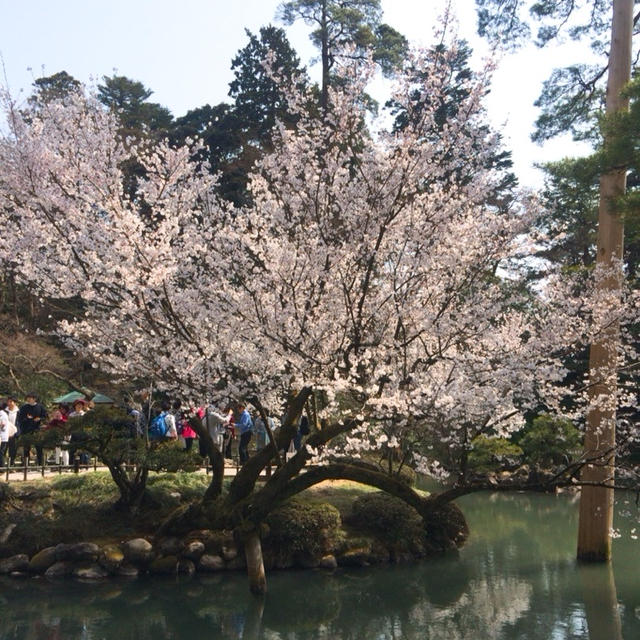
{"type": "Point", "coordinates": [515, 578]}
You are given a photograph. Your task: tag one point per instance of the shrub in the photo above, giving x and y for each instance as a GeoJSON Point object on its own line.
{"type": "Point", "coordinates": [304, 528]}
{"type": "Point", "coordinates": [397, 525]}
{"type": "Point", "coordinates": [109, 434]}
{"type": "Point", "coordinates": [550, 440]}
{"type": "Point", "coordinates": [168, 489]}
{"type": "Point", "coordinates": [490, 454]}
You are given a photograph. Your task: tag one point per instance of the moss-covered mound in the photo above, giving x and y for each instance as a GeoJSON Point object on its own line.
{"type": "Point", "coordinates": [392, 522]}
{"type": "Point", "coordinates": [301, 533]}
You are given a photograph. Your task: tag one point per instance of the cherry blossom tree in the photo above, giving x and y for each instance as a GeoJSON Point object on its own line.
{"type": "Point", "coordinates": [366, 283]}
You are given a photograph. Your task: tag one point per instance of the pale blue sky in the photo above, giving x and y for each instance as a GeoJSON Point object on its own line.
{"type": "Point", "coordinates": [183, 51]}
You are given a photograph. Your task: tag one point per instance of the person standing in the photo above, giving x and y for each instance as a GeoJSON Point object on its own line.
{"type": "Point", "coordinates": [183, 426]}
{"type": "Point", "coordinates": [12, 412]}
{"type": "Point", "coordinates": [169, 421]}
{"type": "Point", "coordinates": [229, 434]}
{"type": "Point", "coordinates": [4, 433]}
{"type": "Point", "coordinates": [31, 416]}
{"type": "Point", "coordinates": [245, 426]}
{"type": "Point", "coordinates": [58, 420]}
{"type": "Point", "coordinates": [261, 432]}
{"type": "Point", "coordinates": [78, 436]}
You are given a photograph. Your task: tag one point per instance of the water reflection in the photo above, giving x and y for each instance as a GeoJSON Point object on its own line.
{"type": "Point", "coordinates": [516, 578]}
{"type": "Point", "coordinates": [601, 602]}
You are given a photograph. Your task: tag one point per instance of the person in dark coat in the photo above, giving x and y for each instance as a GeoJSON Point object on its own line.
{"type": "Point", "coordinates": [31, 416]}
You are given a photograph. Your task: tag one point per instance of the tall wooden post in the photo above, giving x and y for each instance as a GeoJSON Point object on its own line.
{"type": "Point", "coordinates": [596, 502]}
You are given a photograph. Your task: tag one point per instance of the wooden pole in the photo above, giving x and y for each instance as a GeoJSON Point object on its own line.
{"type": "Point", "coordinates": [596, 502]}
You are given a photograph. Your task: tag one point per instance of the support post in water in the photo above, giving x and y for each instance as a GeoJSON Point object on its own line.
{"type": "Point", "coordinates": [255, 564]}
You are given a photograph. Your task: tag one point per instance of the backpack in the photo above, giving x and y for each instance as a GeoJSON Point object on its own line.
{"type": "Point", "coordinates": [158, 427]}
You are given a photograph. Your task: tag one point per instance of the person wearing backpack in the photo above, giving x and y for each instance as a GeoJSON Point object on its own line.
{"type": "Point", "coordinates": [164, 424]}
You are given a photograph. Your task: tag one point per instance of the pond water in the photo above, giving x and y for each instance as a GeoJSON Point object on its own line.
{"type": "Point", "coordinates": [515, 578]}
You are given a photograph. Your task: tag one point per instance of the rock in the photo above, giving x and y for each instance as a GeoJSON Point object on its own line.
{"type": "Point", "coordinates": [229, 552]}
{"type": "Point", "coordinates": [111, 557]}
{"type": "Point", "coordinates": [213, 540]}
{"type": "Point", "coordinates": [199, 534]}
{"type": "Point", "coordinates": [379, 554]}
{"type": "Point", "coordinates": [14, 563]}
{"type": "Point", "coordinates": [210, 563]}
{"type": "Point", "coordinates": [19, 574]}
{"type": "Point", "coordinates": [62, 551]}
{"type": "Point", "coordinates": [59, 569]}
{"type": "Point", "coordinates": [90, 572]}
{"type": "Point", "coordinates": [328, 562]}
{"type": "Point", "coordinates": [127, 571]}
{"type": "Point", "coordinates": [42, 560]}
{"type": "Point", "coordinates": [186, 567]}
{"type": "Point", "coordinates": [354, 558]}
{"type": "Point", "coordinates": [521, 474]}
{"type": "Point", "coordinates": [79, 552]}
{"type": "Point", "coordinates": [84, 552]}
{"type": "Point", "coordinates": [169, 546]}
{"type": "Point", "coordinates": [164, 565]}
{"type": "Point", "coordinates": [194, 550]}
{"type": "Point", "coordinates": [6, 532]}
{"type": "Point", "coordinates": [138, 551]}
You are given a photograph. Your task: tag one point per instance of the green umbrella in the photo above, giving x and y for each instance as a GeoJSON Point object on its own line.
{"type": "Point", "coordinates": [100, 398]}
{"type": "Point", "coordinates": [69, 397]}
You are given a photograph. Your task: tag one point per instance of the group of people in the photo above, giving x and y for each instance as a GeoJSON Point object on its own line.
{"type": "Point", "coordinates": [168, 421]}
{"type": "Point", "coordinates": [17, 422]}
{"type": "Point", "coordinates": [173, 422]}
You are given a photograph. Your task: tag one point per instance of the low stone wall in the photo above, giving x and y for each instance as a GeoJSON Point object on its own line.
{"type": "Point", "coordinates": [201, 551]}
{"type": "Point", "coordinates": [205, 551]}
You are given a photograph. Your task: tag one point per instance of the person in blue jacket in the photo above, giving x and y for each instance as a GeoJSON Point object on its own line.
{"type": "Point", "coordinates": [244, 424]}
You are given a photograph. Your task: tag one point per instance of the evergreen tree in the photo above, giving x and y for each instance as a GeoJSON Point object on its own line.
{"type": "Point", "coordinates": [130, 100]}
{"type": "Point", "coordinates": [258, 100]}
{"type": "Point", "coordinates": [237, 134]}
{"type": "Point", "coordinates": [454, 67]}
{"type": "Point", "coordinates": [54, 87]}
{"type": "Point", "coordinates": [340, 23]}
